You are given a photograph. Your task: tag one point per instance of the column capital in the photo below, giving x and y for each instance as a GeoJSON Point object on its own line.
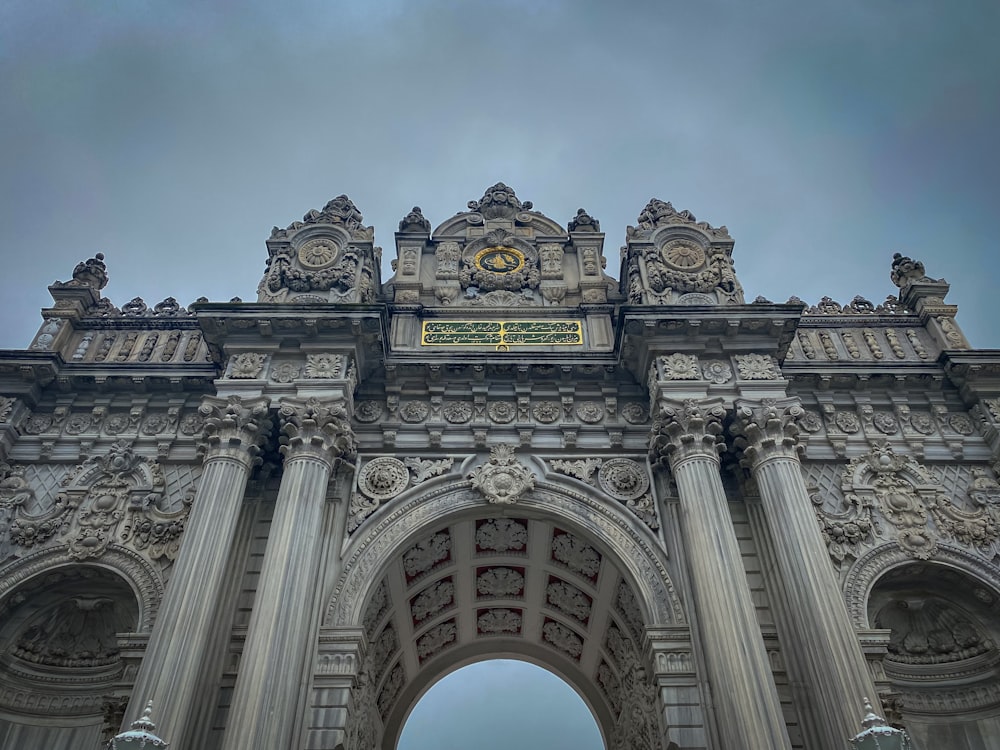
{"type": "Point", "coordinates": [767, 428]}
{"type": "Point", "coordinates": [235, 427]}
{"type": "Point", "coordinates": [687, 429]}
{"type": "Point", "coordinates": [317, 428]}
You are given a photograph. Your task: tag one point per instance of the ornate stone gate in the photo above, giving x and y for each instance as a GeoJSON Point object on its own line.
{"type": "Point", "coordinates": [724, 524]}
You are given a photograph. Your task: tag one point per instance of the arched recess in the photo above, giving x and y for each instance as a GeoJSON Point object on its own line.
{"type": "Point", "coordinates": [943, 659]}
{"type": "Point", "coordinates": [60, 653]}
{"type": "Point", "coordinates": [565, 579]}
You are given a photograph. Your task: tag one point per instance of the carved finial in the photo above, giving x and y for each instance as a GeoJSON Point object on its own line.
{"type": "Point", "coordinates": [92, 273]}
{"type": "Point", "coordinates": [414, 222]}
{"type": "Point", "coordinates": [583, 222]}
{"type": "Point", "coordinates": [498, 202]}
{"type": "Point", "coordinates": [906, 271]}
{"type": "Point", "coordinates": [145, 722]}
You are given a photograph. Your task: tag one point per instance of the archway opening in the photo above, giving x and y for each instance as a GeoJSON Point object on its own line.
{"type": "Point", "coordinates": [498, 705]}
{"type": "Point", "coordinates": [942, 661]}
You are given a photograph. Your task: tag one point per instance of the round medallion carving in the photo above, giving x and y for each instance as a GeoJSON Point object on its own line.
{"type": "Point", "coordinates": [367, 411]}
{"type": "Point", "coordinates": [383, 478]}
{"type": "Point", "coordinates": [502, 412]}
{"type": "Point", "coordinates": [590, 412]}
{"type": "Point", "coordinates": [683, 256]}
{"type": "Point", "coordinates": [623, 479]}
{"type": "Point", "coordinates": [635, 413]}
{"type": "Point", "coordinates": [318, 253]}
{"type": "Point", "coordinates": [414, 411]}
{"type": "Point", "coordinates": [546, 412]}
{"type": "Point", "coordinates": [458, 412]}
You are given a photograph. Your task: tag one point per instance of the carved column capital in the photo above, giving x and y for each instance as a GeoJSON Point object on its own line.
{"type": "Point", "coordinates": [320, 429]}
{"type": "Point", "coordinates": [234, 427]}
{"type": "Point", "coordinates": [687, 429]}
{"type": "Point", "coordinates": [767, 428]}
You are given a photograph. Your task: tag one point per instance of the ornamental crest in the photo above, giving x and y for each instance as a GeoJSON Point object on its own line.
{"type": "Point", "coordinates": [503, 479]}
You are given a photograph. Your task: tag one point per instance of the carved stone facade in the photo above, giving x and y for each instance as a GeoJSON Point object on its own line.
{"type": "Point", "coordinates": [725, 524]}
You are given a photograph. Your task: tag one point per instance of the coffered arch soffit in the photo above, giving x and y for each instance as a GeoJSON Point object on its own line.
{"type": "Point", "coordinates": [631, 548]}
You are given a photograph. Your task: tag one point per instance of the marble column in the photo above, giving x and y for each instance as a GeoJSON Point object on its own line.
{"type": "Point", "coordinates": [831, 668]}
{"type": "Point", "coordinates": [172, 672]}
{"type": "Point", "coordinates": [280, 649]}
{"type": "Point", "coordinates": [748, 711]}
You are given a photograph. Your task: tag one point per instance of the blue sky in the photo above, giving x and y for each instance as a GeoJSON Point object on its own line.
{"type": "Point", "coordinates": [825, 135]}
{"type": "Point", "coordinates": [172, 136]}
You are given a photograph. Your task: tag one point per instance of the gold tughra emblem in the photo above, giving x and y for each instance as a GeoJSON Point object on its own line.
{"type": "Point", "coordinates": [499, 259]}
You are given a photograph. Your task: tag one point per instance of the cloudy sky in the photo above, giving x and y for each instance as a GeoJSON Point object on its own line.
{"type": "Point", "coordinates": [171, 136]}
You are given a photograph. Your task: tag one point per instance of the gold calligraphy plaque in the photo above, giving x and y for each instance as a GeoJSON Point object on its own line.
{"type": "Point", "coordinates": [501, 333]}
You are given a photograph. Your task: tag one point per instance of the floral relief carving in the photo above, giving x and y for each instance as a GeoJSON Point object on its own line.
{"type": "Point", "coordinates": [414, 411]}
{"type": "Point", "coordinates": [756, 367]}
{"type": "Point", "coordinates": [546, 412]}
{"type": "Point", "coordinates": [717, 372]}
{"type": "Point", "coordinates": [635, 413]}
{"type": "Point", "coordinates": [645, 509]}
{"type": "Point", "coordinates": [458, 412]}
{"type": "Point", "coordinates": [503, 479]}
{"type": "Point", "coordinates": [590, 412]}
{"type": "Point", "coordinates": [368, 411]}
{"type": "Point", "coordinates": [436, 640]}
{"type": "Point", "coordinates": [891, 496]}
{"type": "Point", "coordinates": [426, 554]}
{"type": "Point", "coordinates": [502, 412]}
{"type": "Point", "coordinates": [247, 365]}
{"type": "Point", "coordinates": [810, 421]}
{"type": "Point", "coordinates": [564, 639]}
{"type": "Point", "coordinates": [847, 421]}
{"type": "Point", "coordinates": [568, 599]}
{"type": "Point", "coordinates": [961, 424]}
{"type": "Point", "coordinates": [6, 407]}
{"type": "Point", "coordinates": [390, 690]}
{"type": "Point", "coordinates": [576, 555]}
{"type": "Point", "coordinates": [885, 422]}
{"type": "Point", "coordinates": [678, 367]}
{"type": "Point", "coordinates": [623, 479]}
{"type": "Point", "coordinates": [285, 372]}
{"type": "Point", "coordinates": [502, 535]}
{"type": "Point", "coordinates": [582, 469]}
{"type": "Point", "coordinates": [922, 422]}
{"type": "Point", "coordinates": [423, 469]}
{"type": "Point", "coordinates": [383, 478]}
{"type": "Point", "coordinates": [499, 621]}
{"type": "Point", "coordinates": [324, 366]}
{"type": "Point", "coordinates": [432, 600]}
{"type": "Point", "coordinates": [500, 583]}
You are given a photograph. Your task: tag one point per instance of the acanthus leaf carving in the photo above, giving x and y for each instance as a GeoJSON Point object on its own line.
{"type": "Point", "coordinates": [318, 428]}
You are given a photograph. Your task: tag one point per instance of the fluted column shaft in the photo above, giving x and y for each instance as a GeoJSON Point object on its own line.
{"type": "Point", "coordinates": [278, 655]}
{"type": "Point", "coordinates": [831, 666]}
{"type": "Point", "coordinates": [172, 672]}
{"type": "Point", "coordinates": [746, 699]}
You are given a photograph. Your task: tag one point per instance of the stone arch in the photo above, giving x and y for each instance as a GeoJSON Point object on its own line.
{"type": "Point", "coordinates": [584, 556]}
{"type": "Point", "coordinates": [875, 563]}
{"type": "Point", "coordinates": [941, 663]}
{"type": "Point", "coordinates": [144, 580]}
{"type": "Point", "coordinates": [379, 542]}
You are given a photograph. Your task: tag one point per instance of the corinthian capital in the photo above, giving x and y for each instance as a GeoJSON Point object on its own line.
{"type": "Point", "coordinates": [685, 429]}
{"type": "Point", "coordinates": [234, 426]}
{"type": "Point", "coordinates": [767, 428]}
{"type": "Point", "coordinates": [318, 428]}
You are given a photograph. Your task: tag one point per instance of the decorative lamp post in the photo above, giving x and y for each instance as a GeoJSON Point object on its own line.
{"type": "Point", "coordinates": [139, 736]}
{"type": "Point", "coordinates": [877, 735]}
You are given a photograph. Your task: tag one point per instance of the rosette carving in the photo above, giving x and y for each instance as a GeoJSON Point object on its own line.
{"type": "Point", "coordinates": [318, 428]}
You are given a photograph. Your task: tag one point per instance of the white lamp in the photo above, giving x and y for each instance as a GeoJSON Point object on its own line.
{"type": "Point", "coordinates": [877, 735]}
{"type": "Point", "coordinates": [139, 736]}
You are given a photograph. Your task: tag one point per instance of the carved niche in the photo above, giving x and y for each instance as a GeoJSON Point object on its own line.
{"type": "Point", "coordinates": [326, 257]}
{"type": "Point", "coordinates": [671, 258]}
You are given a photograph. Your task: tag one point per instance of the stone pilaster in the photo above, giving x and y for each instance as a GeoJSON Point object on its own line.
{"type": "Point", "coordinates": [173, 669]}
{"type": "Point", "coordinates": [278, 658]}
{"type": "Point", "coordinates": [815, 625]}
{"type": "Point", "coordinates": [748, 712]}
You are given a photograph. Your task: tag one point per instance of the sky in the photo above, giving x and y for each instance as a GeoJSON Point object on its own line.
{"type": "Point", "coordinates": [171, 136]}
{"type": "Point", "coordinates": [548, 715]}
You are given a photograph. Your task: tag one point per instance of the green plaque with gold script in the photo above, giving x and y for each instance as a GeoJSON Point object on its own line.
{"type": "Point", "coordinates": [502, 334]}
